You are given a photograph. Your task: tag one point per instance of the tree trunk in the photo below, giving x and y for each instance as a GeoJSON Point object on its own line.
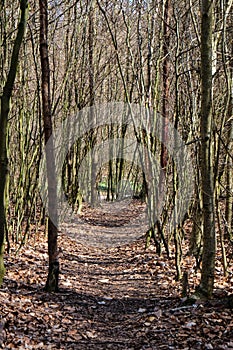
{"type": "Point", "coordinates": [229, 165]}
{"type": "Point", "coordinates": [166, 83]}
{"type": "Point", "coordinates": [207, 175]}
{"type": "Point", "coordinates": [53, 273]}
{"type": "Point", "coordinates": [5, 107]}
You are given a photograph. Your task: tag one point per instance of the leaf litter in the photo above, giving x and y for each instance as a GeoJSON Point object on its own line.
{"type": "Point", "coordinates": [116, 298]}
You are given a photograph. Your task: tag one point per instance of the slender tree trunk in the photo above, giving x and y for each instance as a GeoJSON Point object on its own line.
{"type": "Point", "coordinates": [207, 174]}
{"type": "Point", "coordinates": [229, 165]}
{"type": "Point", "coordinates": [5, 108]}
{"type": "Point", "coordinates": [53, 274]}
{"type": "Point", "coordinates": [166, 84]}
{"type": "Point", "coordinates": [91, 71]}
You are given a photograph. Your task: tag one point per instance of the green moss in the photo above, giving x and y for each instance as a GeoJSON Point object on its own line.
{"type": "Point", "coordinates": [52, 280]}
{"type": "Point", "coordinates": [2, 267]}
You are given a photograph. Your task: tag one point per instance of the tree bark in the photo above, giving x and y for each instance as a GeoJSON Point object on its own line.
{"type": "Point", "coordinates": [53, 273]}
{"type": "Point", "coordinates": [207, 174]}
{"type": "Point", "coordinates": [5, 108]}
{"type": "Point", "coordinates": [229, 165]}
{"type": "Point", "coordinates": [91, 71]}
{"type": "Point", "coordinates": [166, 83]}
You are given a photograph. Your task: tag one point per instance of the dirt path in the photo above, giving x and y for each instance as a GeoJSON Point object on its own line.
{"type": "Point", "coordinates": [109, 225]}
{"type": "Point", "coordinates": [115, 298]}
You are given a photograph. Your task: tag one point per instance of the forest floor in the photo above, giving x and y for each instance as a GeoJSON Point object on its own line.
{"type": "Point", "coordinates": [122, 297]}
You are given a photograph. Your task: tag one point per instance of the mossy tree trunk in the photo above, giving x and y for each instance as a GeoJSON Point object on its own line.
{"type": "Point", "coordinates": [53, 273]}
{"type": "Point", "coordinates": [207, 174]}
{"type": "Point", "coordinates": [229, 165]}
{"type": "Point", "coordinates": [4, 112]}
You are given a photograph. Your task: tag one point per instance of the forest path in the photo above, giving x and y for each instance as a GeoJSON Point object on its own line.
{"type": "Point", "coordinates": [111, 298]}
{"type": "Point", "coordinates": [109, 224]}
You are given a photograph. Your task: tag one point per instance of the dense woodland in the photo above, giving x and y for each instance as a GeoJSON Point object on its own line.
{"type": "Point", "coordinates": [174, 60]}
